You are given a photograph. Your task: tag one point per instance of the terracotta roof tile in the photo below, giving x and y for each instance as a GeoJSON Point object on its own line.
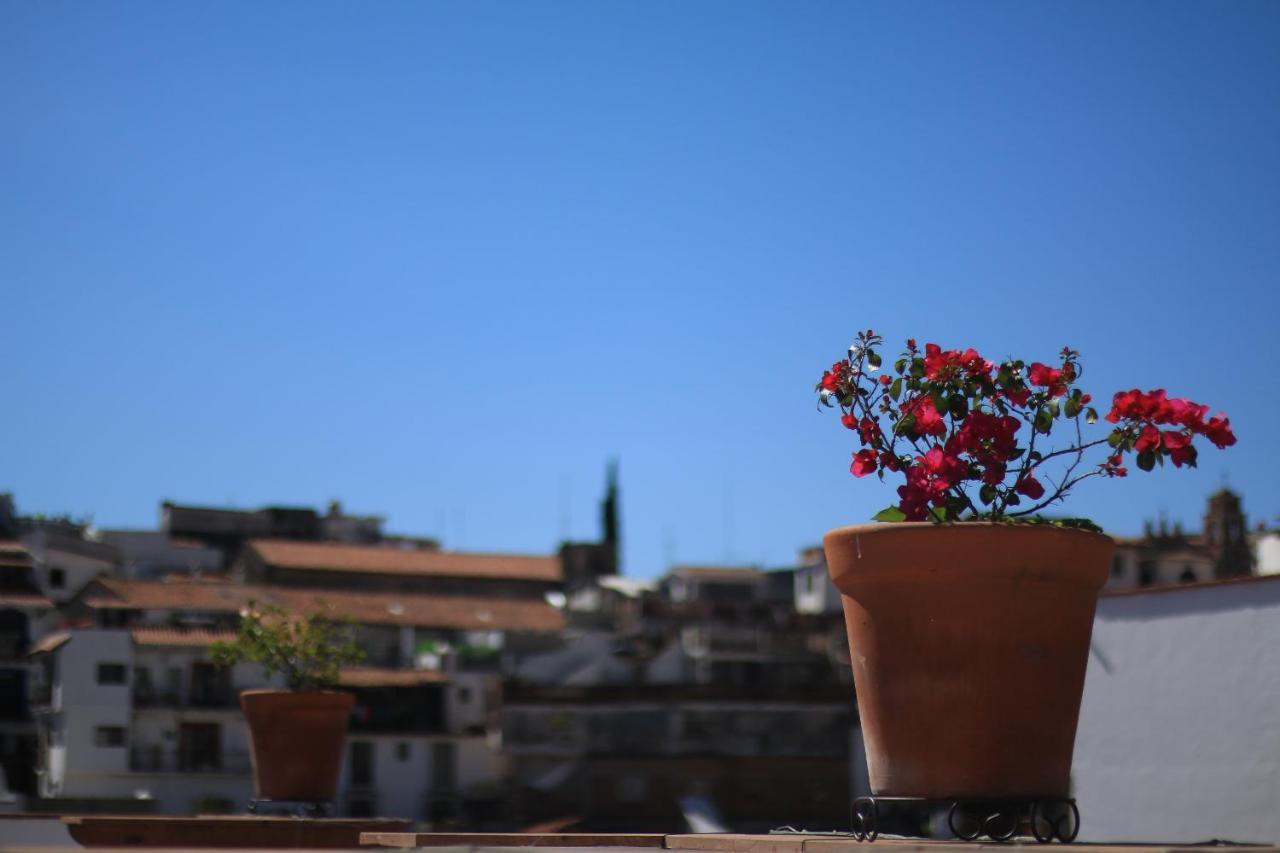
{"type": "Point", "coordinates": [380, 559]}
{"type": "Point", "coordinates": [369, 608]}
{"type": "Point", "coordinates": [165, 636]}
{"type": "Point", "coordinates": [22, 599]}
{"type": "Point", "coordinates": [14, 556]}
{"type": "Point", "coordinates": [368, 676]}
{"type": "Point", "coordinates": [736, 574]}
{"type": "Point", "coordinates": [50, 642]}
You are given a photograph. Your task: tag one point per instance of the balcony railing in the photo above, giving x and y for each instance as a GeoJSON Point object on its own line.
{"type": "Point", "coordinates": [158, 760]}
{"type": "Point", "coordinates": [151, 698]}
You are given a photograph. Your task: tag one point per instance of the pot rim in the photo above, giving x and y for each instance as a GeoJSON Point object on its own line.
{"type": "Point", "coordinates": [889, 527]}
{"type": "Point", "coordinates": [284, 691]}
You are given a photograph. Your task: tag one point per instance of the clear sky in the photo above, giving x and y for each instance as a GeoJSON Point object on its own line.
{"type": "Point", "coordinates": [442, 260]}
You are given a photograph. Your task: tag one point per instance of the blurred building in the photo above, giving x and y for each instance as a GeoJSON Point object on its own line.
{"type": "Point", "coordinates": [710, 692]}
{"type": "Point", "coordinates": [1167, 554]}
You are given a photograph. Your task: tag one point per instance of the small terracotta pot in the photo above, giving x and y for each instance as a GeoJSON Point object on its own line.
{"type": "Point", "coordinates": [969, 644]}
{"type": "Point", "coordinates": [297, 742]}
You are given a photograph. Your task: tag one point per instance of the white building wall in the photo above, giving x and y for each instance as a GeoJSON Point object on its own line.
{"type": "Point", "coordinates": [480, 761]}
{"type": "Point", "coordinates": [465, 705]}
{"type": "Point", "coordinates": [85, 706]}
{"type": "Point", "coordinates": [77, 569]}
{"type": "Point", "coordinates": [815, 592]}
{"type": "Point", "coordinates": [403, 771]}
{"type": "Point", "coordinates": [1179, 737]}
{"type": "Point", "coordinates": [1267, 554]}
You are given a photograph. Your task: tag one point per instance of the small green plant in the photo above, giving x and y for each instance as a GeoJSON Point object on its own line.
{"type": "Point", "coordinates": [308, 650]}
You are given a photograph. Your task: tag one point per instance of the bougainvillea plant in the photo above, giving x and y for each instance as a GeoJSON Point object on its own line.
{"type": "Point", "coordinates": [972, 438]}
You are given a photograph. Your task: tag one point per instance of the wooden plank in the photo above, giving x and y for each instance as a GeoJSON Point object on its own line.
{"type": "Point", "coordinates": [225, 831]}
{"type": "Point", "coordinates": [509, 839]}
{"type": "Point", "coordinates": [738, 843]}
{"type": "Point", "coordinates": [1022, 845]}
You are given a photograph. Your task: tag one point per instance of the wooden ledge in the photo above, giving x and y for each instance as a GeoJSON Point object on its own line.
{"type": "Point", "coordinates": [225, 831]}
{"type": "Point", "coordinates": [510, 839]}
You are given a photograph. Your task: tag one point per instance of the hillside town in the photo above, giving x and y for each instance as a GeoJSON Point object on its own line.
{"type": "Point", "coordinates": [498, 691]}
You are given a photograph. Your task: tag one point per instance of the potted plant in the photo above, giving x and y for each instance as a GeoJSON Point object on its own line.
{"type": "Point", "coordinates": [296, 734]}
{"type": "Point", "coordinates": [969, 619]}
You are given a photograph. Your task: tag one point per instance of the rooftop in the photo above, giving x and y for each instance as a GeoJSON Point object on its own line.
{"type": "Point", "coordinates": [380, 559]}
{"type": "Point", "coordinates": [370, 608]}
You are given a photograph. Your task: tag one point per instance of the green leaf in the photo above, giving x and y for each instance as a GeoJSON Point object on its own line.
{"type": "Point", "coordinates": [987, 493]}
{"type": "Point", "coordinates": [1017, 453]}
{"type": "Point", "coordinates": [917, 367]}
{"type": "Point", "coordinates": [873, 358]}
{"type": "Point", "coordinates": [1115, 438]}
{"type": "Point", "coordinates": [1091, 416]}
{"type": "Point", "coordinates": [895, 388]}
{"type": "Point", "coordinates": [1044, 421]}
{"type": "Point", "coordinates": [938, 513]}
{"type": "Point", "coordinates": [899, 366]}
{"type": "Point", "coordinates": [890, 514]}
{"type": "Point", "coordinates": [1146, 460]}
{"type": "Point", "coordinates": [958, 406]}
{"type": "Point", "coordinates": [1071, 407]}
{"type": "Point", "coordinates": [1053, 407]}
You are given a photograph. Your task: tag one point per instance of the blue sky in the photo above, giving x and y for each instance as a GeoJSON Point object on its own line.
{"type": "Point", "coordinates": [442, 260]}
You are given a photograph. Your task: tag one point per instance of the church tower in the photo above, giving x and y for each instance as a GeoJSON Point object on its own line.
{"type": "Point", "coordinates": [1225, 536]}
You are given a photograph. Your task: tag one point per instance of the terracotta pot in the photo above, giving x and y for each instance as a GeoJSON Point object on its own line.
{"type": "Point", "coordinates": [969, 644]}
{"type": "Point", "coordinates": [297, 742]}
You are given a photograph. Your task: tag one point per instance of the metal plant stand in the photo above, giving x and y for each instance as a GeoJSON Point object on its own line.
{"type": "Point", "coordinates": [1047, 818]}
{"type": "Point", "coordinates": [291, 808]}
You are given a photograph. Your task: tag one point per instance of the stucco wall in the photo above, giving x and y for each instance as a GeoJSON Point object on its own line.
{"type": "Point", "coordinates": [86, 705]}
{"type": "Point", "coordinates": [1179, 735]}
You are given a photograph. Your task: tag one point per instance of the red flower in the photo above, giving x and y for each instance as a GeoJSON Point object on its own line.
{"type": "Point", "coordinates": [886, 379]}
{"type": "Point", "coordinates": [1052, 378]}
{"type": "Point", "coordinates": [864, 463]}
{"type": "Point", "coordinates": [1030, 486]}
{"type": "Point", "coordinates": [837, 375]}
{"type": "Point", "coordinates": [1218, 430]}
{"type": "Point", "coordinates": [1018, 396]}
{"type": "Point", "coordinates": [974, 364]}
{"type": "Point", "coordinates": [869, 432]}
{"type": "Point", "coordinates": [928, 419]}
{"type": "Point", "coordinates": [1149, 440]}
{"type": "Point", "coordinates": [849, 420]}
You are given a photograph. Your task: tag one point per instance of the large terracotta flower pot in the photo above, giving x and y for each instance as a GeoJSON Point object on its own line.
{"type": "Point", "coordinates": [297, 741]}
{"type": "Point", "coordinates": [969, 644]}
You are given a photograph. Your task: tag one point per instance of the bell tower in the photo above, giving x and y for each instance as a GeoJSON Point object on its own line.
{"type": "Point", "coordinates": [1225, 535]}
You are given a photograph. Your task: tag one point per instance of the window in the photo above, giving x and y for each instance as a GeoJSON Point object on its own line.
{"type": "Point", "coordinates": [111, 673]}
{"type": "Point", "coordinates": [361, 763]}
{"type": "Point", "coordinates": [109, 736]}
{"type": "Point", "coordinates": [57, 578]}
{"type": "Point", "coordinates": [444, 767]}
